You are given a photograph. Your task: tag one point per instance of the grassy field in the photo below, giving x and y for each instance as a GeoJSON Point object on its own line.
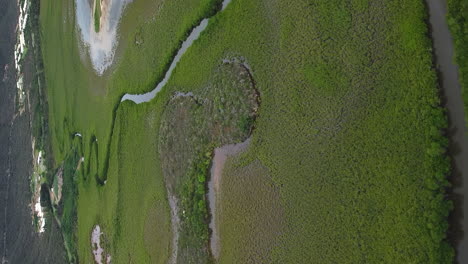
{"type": "Point", "coordinates": [350, 130]}
{"type": "Point", "coordinates": [347, 162]}
{"type": "Point", "coordinates": [97, 15]}
{"type": "Point", "coordinates": [133, 192]}
{"type": "Point", "coordinates": [66, 210]}
{"type": "Point", "coordinates": [80, 101]}
{"type": "Point", "coordinates": [261, 222]}
{"type": "Point", "coordinates": [457, 20]}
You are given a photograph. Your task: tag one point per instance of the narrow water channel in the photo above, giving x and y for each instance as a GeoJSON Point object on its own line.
{"type": "Point", "coordinates": [451, 90]}
{"type": "Point", "coordinates": [194, 35]}
{"type": "Point", "coordinates": [146, 97]}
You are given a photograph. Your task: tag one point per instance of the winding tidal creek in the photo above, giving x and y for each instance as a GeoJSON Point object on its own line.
{"type": "Point", "coordinates": [458, 133]}
{"type": "Point", "coordinates": [194, 35]}
{"type": "Point", "coordinates": [146, 97]}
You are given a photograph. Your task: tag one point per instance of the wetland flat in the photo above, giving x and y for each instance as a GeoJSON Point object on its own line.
{"type": "Point", "coordinates": [233, 131]}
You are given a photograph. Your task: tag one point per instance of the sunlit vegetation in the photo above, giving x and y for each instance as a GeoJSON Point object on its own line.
{"type": "Point", "coordinates": [347, 153]}
{"type": "Point", "coordinates": [97, 15]}
{"type": "Point", "coordinates": [458, 23]}
{"type": "Point", "coordinates": [133, 192]}
{"type": "Point", "coordinates": [112, 192]}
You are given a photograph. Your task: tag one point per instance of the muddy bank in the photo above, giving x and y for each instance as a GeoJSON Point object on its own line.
{"type": "Point", "coordinates": [220, 156]}
{"type": "Point", "coordinates": [451, 91]}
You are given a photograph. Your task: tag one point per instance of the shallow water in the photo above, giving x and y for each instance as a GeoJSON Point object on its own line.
{"type": "Point", "coordinates": [101, 46]}
{"type": "Point", "coordinates": [451, 89]}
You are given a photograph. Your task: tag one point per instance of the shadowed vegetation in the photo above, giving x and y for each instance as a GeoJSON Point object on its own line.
{"type": "Point", "coordinates": [458, 22]}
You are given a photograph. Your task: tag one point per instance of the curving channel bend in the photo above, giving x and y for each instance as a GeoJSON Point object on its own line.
{"type": "Point", "coordinates": [146, 97]}
{"type": "Point", "coordinates": [194, 35]}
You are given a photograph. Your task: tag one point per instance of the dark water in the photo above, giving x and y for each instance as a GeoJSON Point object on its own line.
{"type": "Point", "coordinates": [451, 90]}
{"type": "Point", "coordinates": [19, 243]}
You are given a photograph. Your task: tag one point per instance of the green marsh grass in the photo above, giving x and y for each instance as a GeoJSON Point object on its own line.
{"type": "Point", "coordinates": [349, 135]}
{"type": "Point", "coordinates": [350, 128]}
{"type": "Point", "coordinates": [80, 101]}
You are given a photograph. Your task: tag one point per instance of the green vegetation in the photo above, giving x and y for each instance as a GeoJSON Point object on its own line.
{"type": "Point", "coordinates": [133, 191]}
{"type": "Point", "coordinates": [97, 15]}
{"type": "Point", "coordinates": [348, 152]}
{"type": "Point", "coordinates": [35, 76]}
{"type": "Point", "coordinates": [121, 177]}
{"type": "Point", "coordinates": [352, 139]}
{"type": "Point", "coordinates": [258, 220]}
{"type": "Point", "coordinates": [458, 23]}
{"type": "Point", "coordinates": [65, 214]}
{"type": "Point", "coordinates": [195, 205]}
{"type": "Point", "coordinates": [66, 210]}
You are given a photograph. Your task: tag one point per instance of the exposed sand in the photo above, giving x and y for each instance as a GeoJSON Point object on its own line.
{"type": "Point", "coordinates": [98, 251]}
{"type": "Point", "coordinates": [219, 159]}
{"type": "Point", "coordinates": [101, 45]}
{"type": "Point", "coordinates": [56, 193]}
{"type": "Point", "coordinates": [39, 169]}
